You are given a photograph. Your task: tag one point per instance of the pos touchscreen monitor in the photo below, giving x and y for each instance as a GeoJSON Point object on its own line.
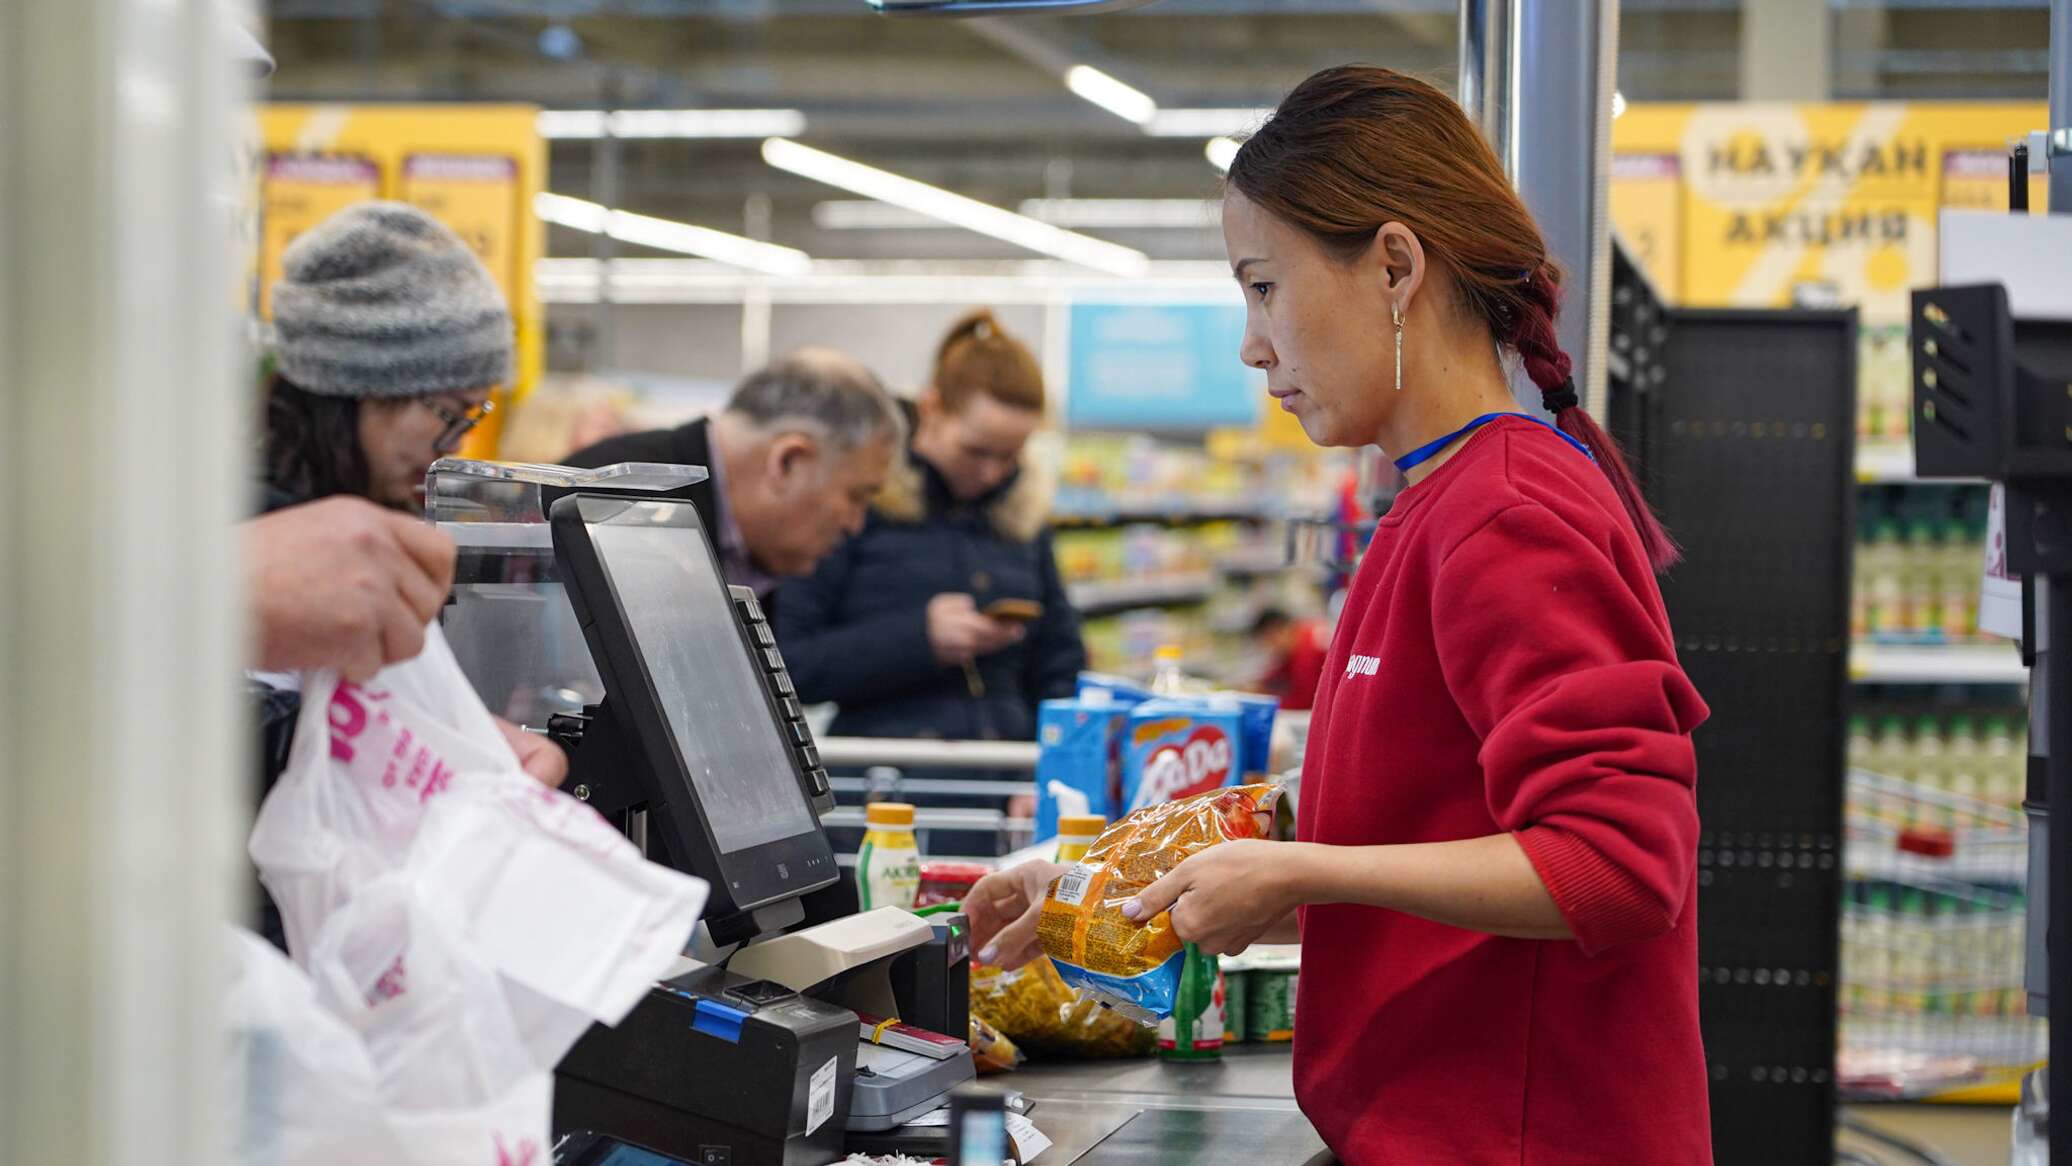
{"type": "Point", "coordinates": [686, 713]}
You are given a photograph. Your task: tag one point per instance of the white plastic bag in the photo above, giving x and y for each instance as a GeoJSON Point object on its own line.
{"type": "Point", "coordinates": [464, 923]}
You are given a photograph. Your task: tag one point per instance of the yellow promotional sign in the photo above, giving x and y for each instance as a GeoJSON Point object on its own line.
{"type": "Point", "coordinates": [296, 193]}
{"type": "Point", "coordinates": [476, 168]}
{"type": "Point", "coordinates": [1647, 210]}
{"type": "Point", "coordinates": [1977, 180]}
{"type": "Point", "coordinates": [476, 195]}
{"type": "Point", "coordinates": [1823, 204]}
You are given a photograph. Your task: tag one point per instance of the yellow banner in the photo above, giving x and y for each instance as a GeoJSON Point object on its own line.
{"type": "Point", "coordinates": [1647, 210]}
{"type": "Point", "coordinates": [298, 191]}
{"type": "Point", "coordinates": [1814, 204]}
{"type": "Point", "coordinates": [1977, 180]}
{"type": "Point", "coordinates": [476, 195]}
{"type": "Point", "coordinates": [475, 167]}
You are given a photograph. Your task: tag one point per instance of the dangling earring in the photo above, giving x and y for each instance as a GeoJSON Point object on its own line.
{"type": "Point", "coordinates": [1396, 311]}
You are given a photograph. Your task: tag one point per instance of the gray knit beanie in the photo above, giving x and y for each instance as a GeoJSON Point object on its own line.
{"type": "Point", "coordinates": [382, 300]}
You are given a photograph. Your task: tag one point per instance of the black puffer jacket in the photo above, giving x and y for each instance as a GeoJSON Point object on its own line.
{"type": "Point", "coordinates": [856, 630]}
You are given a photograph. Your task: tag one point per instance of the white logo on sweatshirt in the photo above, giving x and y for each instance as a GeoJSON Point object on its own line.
{"type": "Point", "coordinates": [1362, 666]}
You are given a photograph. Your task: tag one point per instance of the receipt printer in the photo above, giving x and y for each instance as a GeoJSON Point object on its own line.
{"type": "Point", "coordinates": [767, 1070]}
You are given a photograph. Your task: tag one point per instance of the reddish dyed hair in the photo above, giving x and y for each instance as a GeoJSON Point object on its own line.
{"type": "Point", "coordinates": [1355, 148]}
{"type": "Point", "coordinates": [979, 358]}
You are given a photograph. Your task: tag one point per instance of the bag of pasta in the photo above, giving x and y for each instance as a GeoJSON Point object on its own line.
{"type": "Point", "coordinates": [992, 1052]}
{"type": "Point", "coordinates": [1130, 967]}
{"type": "Point", "coordinates": [1034, 1008]}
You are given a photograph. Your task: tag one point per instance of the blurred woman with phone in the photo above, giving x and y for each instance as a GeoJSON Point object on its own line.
{"type": "Point", "coordinates": [946, 618]}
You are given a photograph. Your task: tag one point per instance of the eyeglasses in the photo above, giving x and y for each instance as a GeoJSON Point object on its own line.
{"type": "Point", "coordinates": [457, 424]}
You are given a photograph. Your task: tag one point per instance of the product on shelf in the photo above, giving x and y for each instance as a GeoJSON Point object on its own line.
{"type": "Point", "coordinates": [1945, 771]}
{"type": "Point", "coordinates": [1918, 567]}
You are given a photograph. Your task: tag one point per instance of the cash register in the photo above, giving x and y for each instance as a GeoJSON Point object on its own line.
{"type": "Point", "coordinates": [753, 1054]}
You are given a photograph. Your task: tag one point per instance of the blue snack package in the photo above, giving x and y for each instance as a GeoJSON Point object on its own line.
{"type": "Point", "coordinates": [1114, 689]}
{"type": "Point", "coordinates": [1256, 746]}
{"type": "Point", "coordinates": [1177, 747]}
{"type": "Point", "coordinates": [1078, 755]}
{"type": "Point", "coordinates": [1146, 997]}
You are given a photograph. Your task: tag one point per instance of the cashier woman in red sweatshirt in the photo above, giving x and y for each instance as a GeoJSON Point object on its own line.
{"type": "Point", "coordinates": [1493, 881]}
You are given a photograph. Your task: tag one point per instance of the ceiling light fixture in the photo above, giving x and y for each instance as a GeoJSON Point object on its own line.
{"type": "Point", "coordinates": [935, 202]}
{"type": "Point", "coordinates": [862, 214]}
{"type": "Point", "coordinates": [1124, 101]}
{"type": "Point", "coordinates": [667, 235]}
{"type": "Point", "coordinates": [1205, 123]}
{"type": "Point", "coordinates": [671, 123]}
{"type": "Point", "coordinates": [1221, 152]}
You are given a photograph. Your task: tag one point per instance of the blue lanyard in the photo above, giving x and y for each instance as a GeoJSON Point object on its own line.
{"type": "Point", "coordinates": [1430, 449]}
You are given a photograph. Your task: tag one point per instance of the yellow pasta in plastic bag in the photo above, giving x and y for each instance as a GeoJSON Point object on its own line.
{"type": "Point", "coordinates": [1033, 1006]}
{"type": "Point", "coordinates": [1131, 967]}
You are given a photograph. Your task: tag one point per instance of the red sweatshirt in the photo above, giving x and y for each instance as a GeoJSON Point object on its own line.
{"type": "Point", "coordinates": [1504, 664]}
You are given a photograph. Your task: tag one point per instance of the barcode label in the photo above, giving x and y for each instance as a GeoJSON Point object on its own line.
{"type": "Point", "coordinates": [1072, 885]}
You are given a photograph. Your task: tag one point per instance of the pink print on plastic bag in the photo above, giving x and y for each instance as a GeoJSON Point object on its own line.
{"type": "Point", "coordinates": [525, 1153]}
{"type": "Point", "coordinates": [360, 726]}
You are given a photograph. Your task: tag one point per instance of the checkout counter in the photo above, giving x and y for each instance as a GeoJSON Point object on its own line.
{"type": "Point", "coordinates": [590, 604]}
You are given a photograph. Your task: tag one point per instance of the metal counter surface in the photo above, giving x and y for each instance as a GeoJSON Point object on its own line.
{"type": "Point", "coordinates": [1237, 1110]}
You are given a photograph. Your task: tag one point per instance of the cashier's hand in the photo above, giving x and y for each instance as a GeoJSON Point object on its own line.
{"type": "Point", "coordinates": [541, 758]}
{"type": "Point", "coordinates": [959, 634]}
{"type": "Point", "coordinates": [1003, 908]}
{"type": "Point", "coordinates": [1226, 898]}
{"type": "Point", "coordinates": [342, 583]}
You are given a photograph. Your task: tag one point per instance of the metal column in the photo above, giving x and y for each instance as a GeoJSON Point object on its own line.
{"type": "Point", "coordinates": [2059, 145]}
{"type": "Point", "coordinates": [1548, 113]}
{"type": "Point", "coordinates": [124, 457]}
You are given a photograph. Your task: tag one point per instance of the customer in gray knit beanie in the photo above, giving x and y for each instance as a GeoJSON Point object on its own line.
{"type": "Point", "coordinates": [390, 337]}
{"type": "Point", "coordinates": [382, 300]}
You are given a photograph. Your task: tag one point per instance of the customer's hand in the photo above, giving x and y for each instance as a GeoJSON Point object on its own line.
{"type": "Point", "coordinates": [342, 583]}
{"type": "Point", "coordinates": [1004, 907]}
{"type": "Point", "coordinates": [540, 757]}
{"type": "Point", "coordinates": [959, 634]}
{"type": "Point", "coordinates": [1228, 897]}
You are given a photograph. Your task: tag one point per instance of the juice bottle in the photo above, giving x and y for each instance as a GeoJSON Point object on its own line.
{"type": "Point", "coordinates": [1878, 939]}
{"type": "Point", "coordinates": [1962, 766]}
{"type": "Point", "coordinates": [1882, 571]}
{"type": "Point", "coordinates": [1930, 773]}
{"type": "Point", "coordinates": [1921, 580]}
{"type": "Point", "coordinates": [1077, 835]}
{"type": "Point", "coordinates": [1959, 571]}
{"type": "Point", "coordinates": [888, 868]}
{"type": "Point", "coordinates": [1892, 756]}
{"type": "Point", "coordinates": [2006, 766]}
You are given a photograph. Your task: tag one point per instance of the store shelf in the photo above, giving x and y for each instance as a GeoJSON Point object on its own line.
{"type": "Point", "coordinates": [1175, 515]}
{"type": "Point", "coordinates": [1260, 563]}
{"type": "Point", "coordinates": [1106, 598]}
{"type": "Point", "coordinates": [1993, 859]}
{"type": "Point", "coordinates": [1887, 463]}
{"type": "Point", "coordinates": [1989, 663]}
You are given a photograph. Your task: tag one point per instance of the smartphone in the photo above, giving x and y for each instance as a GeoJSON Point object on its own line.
{"type": "Point", "coordinates": [1014, 610]}
{"type": "Point", "coordinates": [978, 1127]}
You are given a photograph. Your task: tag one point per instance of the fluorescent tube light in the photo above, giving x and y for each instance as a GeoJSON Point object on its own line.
{"type": "Point", "coordinates": [666, 235]}
{"type": "Point", "coordinates": [972, 215]}
{"type": "Point", "coordinates": [1122, 100]}
{"type": "Point", "coordinates": [671, 123]}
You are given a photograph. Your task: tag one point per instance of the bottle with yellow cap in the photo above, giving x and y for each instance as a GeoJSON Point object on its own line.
{"type": "Point", "coordinates": [1077, 834]}
{"type": "Point", "coordinates": [1166, 677]}
{"type": "Point", "coordinates": [888, 868]}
